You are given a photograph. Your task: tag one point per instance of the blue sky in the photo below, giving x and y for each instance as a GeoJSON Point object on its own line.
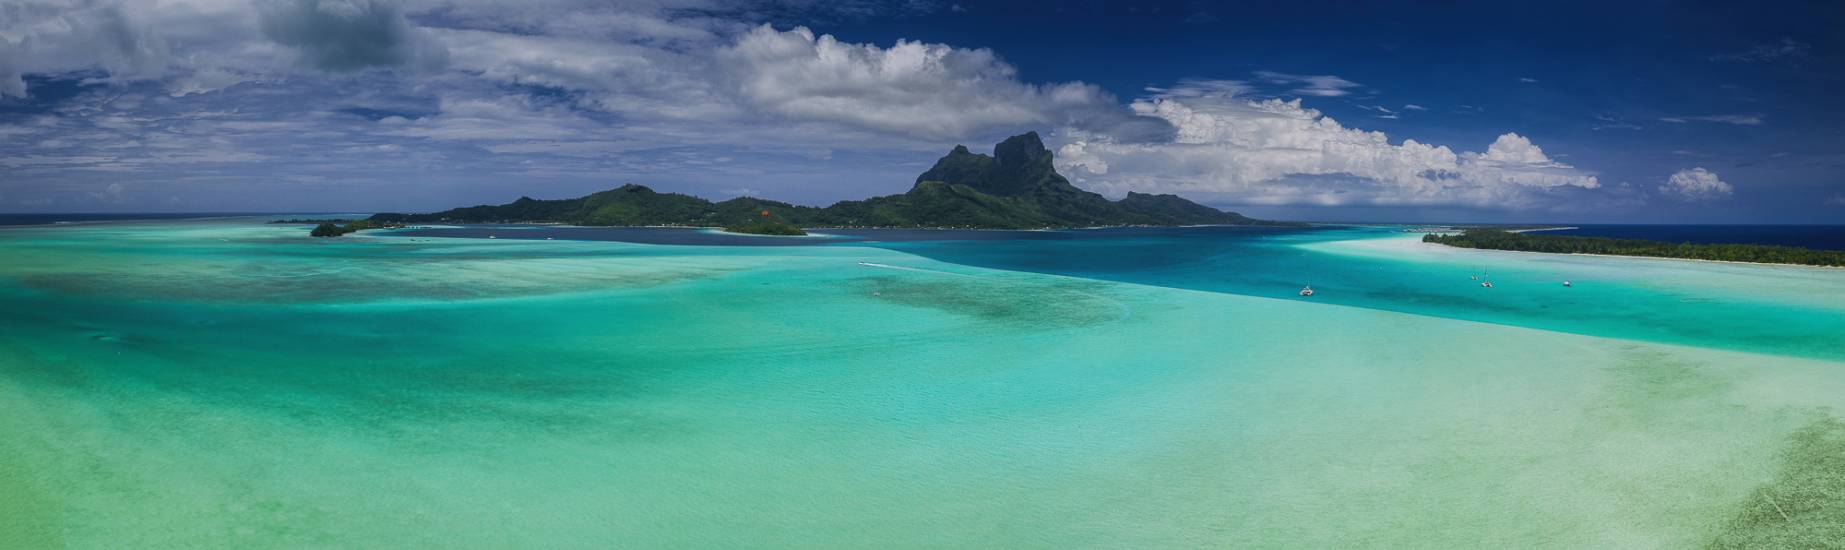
{"type": "Point", "coordinates": [1610, 112]}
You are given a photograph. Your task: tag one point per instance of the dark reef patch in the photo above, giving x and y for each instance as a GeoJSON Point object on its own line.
{"type": "Point", "coordinates": [1804, 506]}
{"type": "Point", "coordinates": [1066, 303]}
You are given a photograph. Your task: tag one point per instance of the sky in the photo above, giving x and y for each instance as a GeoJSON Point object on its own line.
{"type": "Point", "coordinates": [1611, 112]}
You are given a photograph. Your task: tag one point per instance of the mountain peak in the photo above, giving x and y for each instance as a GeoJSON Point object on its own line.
{"type": "Point", "coordinates": [1019, 165]}
{"type": "Point", "coordinates": [1015, 187]}
{"type": "Point", "coordinates": [1026, 147]}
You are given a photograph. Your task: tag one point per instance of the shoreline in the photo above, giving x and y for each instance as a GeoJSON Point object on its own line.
{"type": "Point", "coordinates": [1731, 262]}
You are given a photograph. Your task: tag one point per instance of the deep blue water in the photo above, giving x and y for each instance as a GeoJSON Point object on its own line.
{"type": "Point", "coordinates": [1826, 237]}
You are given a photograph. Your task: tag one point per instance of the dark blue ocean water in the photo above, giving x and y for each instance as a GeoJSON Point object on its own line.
{"type": "Point", "coordinates": [1825, 237]}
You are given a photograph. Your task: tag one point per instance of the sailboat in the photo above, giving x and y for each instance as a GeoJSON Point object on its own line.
{"type": "Point", "coordinates": [1306, 290]}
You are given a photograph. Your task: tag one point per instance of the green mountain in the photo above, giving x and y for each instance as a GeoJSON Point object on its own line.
{"type": "Point", "coordinates": [1015, 188]}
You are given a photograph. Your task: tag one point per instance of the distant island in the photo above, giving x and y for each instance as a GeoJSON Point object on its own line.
{"type": "Point", "coordinates": [1015, 188]}
{"type": "Point", "coordinates": [1499, 239]}
{"type": "Point", "coordinates": [311, 221]}
{"type": "Point", "coordinates": [332, 229]}
{"type": "Point", "coordinates": [766, 227]}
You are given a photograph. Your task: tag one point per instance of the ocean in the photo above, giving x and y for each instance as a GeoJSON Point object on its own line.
{"type": "Point", "coordinates": [224, 382]}
{"type": "Point", "coordinates": [76, 218]}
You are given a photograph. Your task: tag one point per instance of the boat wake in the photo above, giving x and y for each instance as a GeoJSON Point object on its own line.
{"type": "Point", "coordinates": [916, 269]}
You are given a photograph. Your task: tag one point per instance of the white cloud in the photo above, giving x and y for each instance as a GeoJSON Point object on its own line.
{"type": "Point", "coordinates": [1606, 121]}
{"type": "Point", "coordinates": [1310, 85]}
{"type": "Point", "coordinates": [1527, 80]}
{"type": "Point", "coordinates": [1279, 152]}
{"type": "Point", "coordinates": [1786, 49]}
{"type": "Point", "coordinates": [38, 36]}
{"type": "Point", "coordinates": [1696, 185]}
{"type": "Point", "coordinates": [596, 90]}
{"type": "Point", "coordinates": [1742, 120]}
{"type": "Point", "coordinates": [933, 90]}
{"type": "Point", "coordinates": [12, 76]}
{"type": "Point", "coordinates": [112, 193]}
{"type": "Point", "coordinates": [196, 46]}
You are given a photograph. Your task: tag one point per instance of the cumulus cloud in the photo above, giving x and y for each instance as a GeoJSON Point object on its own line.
{"type": "Point", "coordinates": [1279, 152]}
{"type": "Point", "coordinates": [347, 35]}
{"type": "Point", "coordinates": [38, 36]}
{"type": "Point", "coordinates": [225, 42]}
{"type": "Point", "coordinates": [627, 79]}
{"type": "Point", "coordinates": [588, 89]}
{"type": "Point", "coordinates": [1696, 185]}
{"type": "Point", "coordinates": [934, 90]}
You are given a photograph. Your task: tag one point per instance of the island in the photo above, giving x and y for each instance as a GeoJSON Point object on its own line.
{"type": "Point", "coordinates": [1017, 187]}
{"type": "Point", "coordinates": [311, 221]}
{"type": "Point", "coordinates": [766, 227]}
{"type": "Point", "coordinates": [1499, 239]}
{"type": "Point", "coordinates": [331, 229]}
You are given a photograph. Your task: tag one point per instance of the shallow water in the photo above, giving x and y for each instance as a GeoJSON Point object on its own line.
{"type": "Point", "coordinates": [221, 384]}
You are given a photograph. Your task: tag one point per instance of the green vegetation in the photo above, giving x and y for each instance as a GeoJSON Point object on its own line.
{"type": "Point", "coordinates": [1015, 188]}
{"type": "Point", "coordinates": [330, 229]}
{"type": "Point", "coordinates": [311, 221]}
{"type": "Point", "coordinates": [766, 227]}
{"type": "Point", "coordinates": [1495, 239]}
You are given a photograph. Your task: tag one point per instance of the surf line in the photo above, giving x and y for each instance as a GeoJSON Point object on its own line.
{"type": "Point", "coordinates": [916, 269]}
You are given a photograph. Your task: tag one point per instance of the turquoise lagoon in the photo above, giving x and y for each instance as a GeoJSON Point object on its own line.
{"type": "Point", "coordinates": [231, 384]}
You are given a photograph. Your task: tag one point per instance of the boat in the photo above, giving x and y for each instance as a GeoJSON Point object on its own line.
{"type": "Point", "coordinates": [1487, 284]}
{"type": "Point", "coordinates": [1306, 290]}
{"type": "Point", "coordinates": [1566, 283]}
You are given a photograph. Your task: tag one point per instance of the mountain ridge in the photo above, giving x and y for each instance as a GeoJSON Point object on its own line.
{"type": "Point", "coordinates": [1017, 187]}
